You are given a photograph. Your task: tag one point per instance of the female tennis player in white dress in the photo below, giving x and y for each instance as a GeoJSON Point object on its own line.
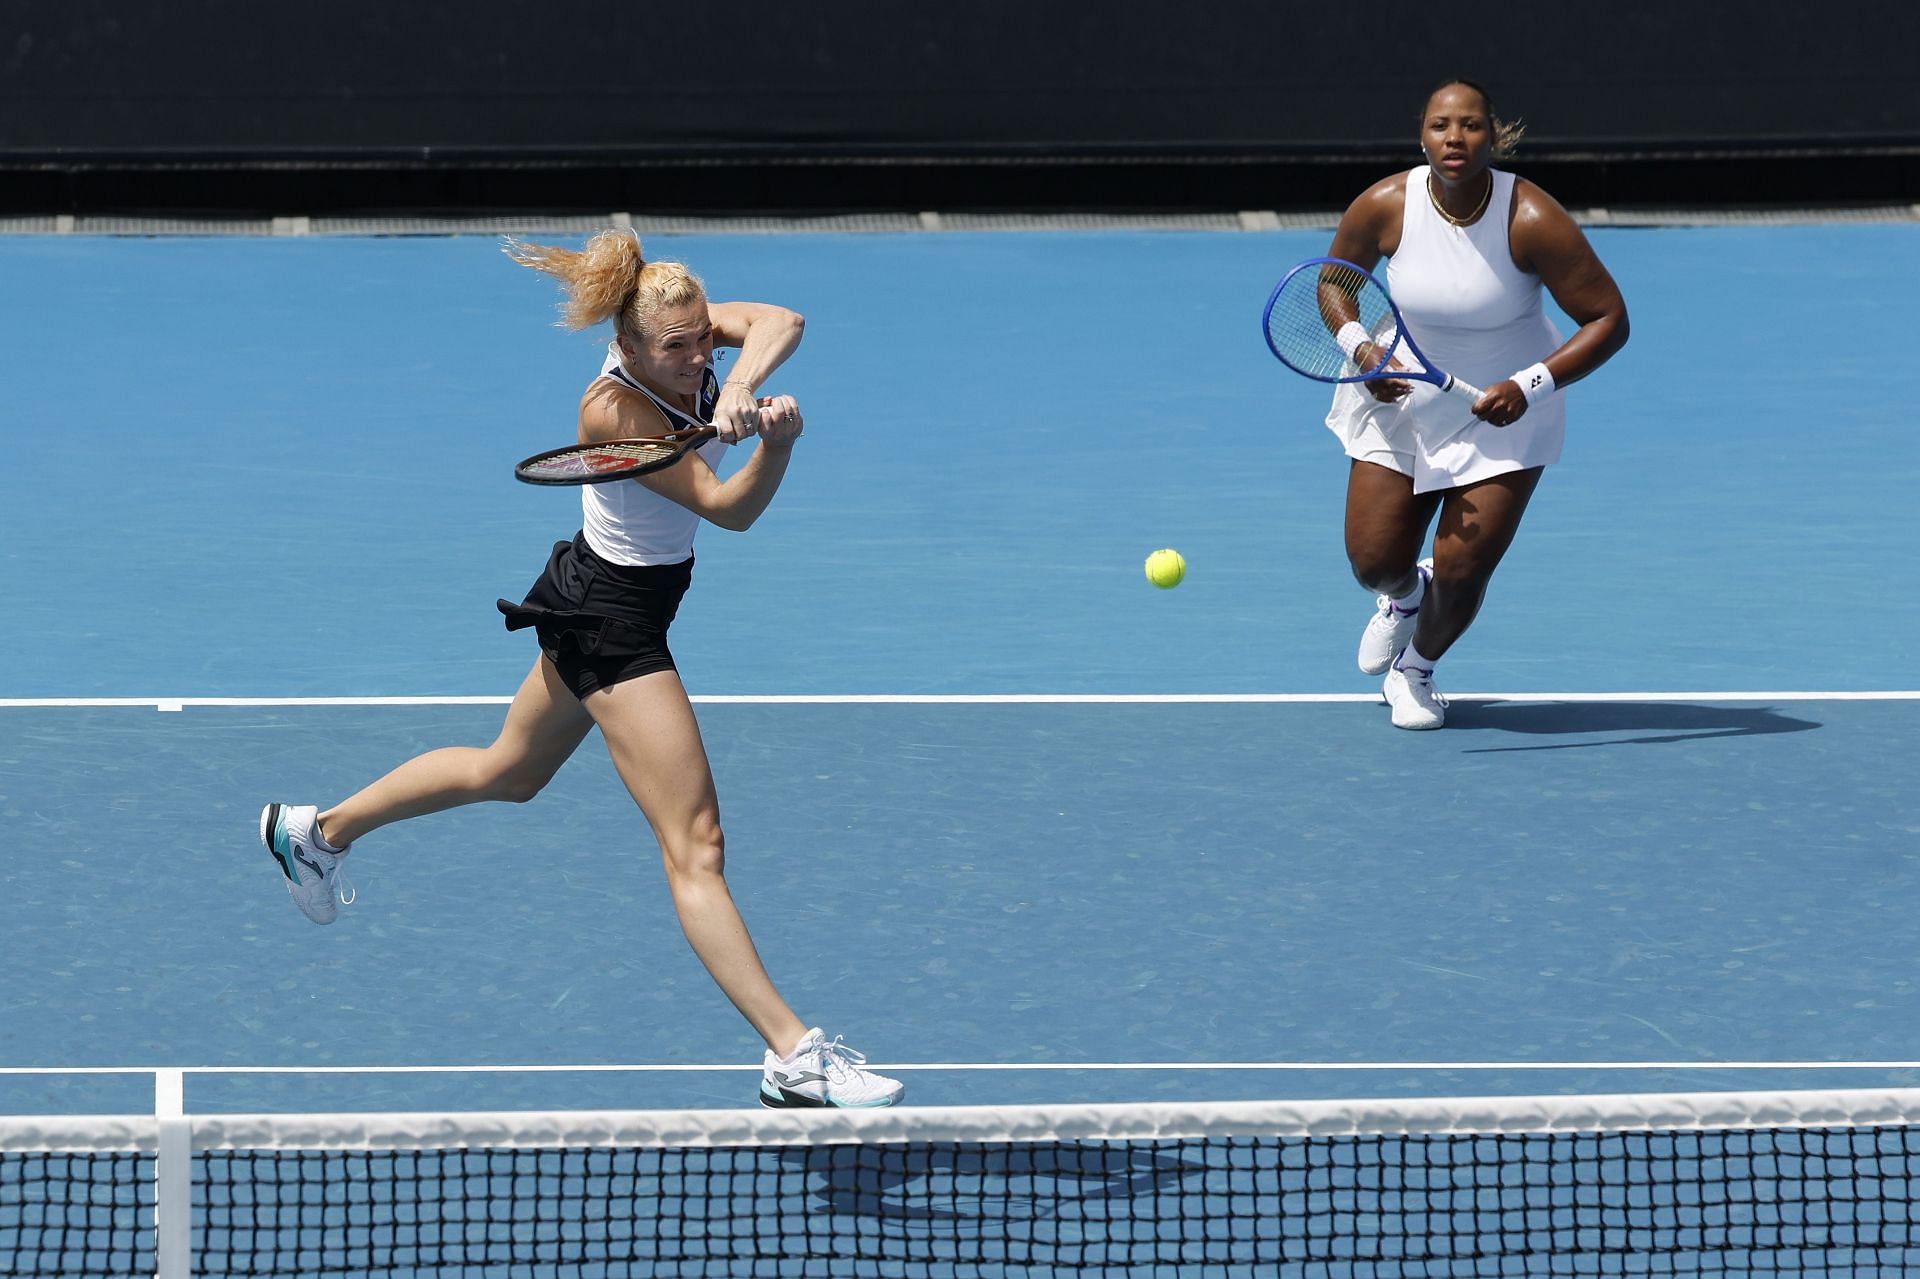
{"type": "Point", "coordinates": [601, 612]}
{"type": "Point", "coordinates": [1469, 250]}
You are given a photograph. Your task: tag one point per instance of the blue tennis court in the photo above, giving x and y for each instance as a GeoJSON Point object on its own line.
{"type": "Point", "coordinates": [1015, 823]}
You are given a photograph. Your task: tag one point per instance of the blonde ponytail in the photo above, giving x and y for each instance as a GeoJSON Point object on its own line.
{"type": "Point", "coordinates": [610, 279]}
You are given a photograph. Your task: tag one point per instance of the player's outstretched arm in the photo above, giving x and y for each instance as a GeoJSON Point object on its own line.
{"type": "Point", "coordinates": [737, 501]}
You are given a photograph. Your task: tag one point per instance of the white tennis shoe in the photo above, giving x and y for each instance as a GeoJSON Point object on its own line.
{"type": "Point", "coordinates": [1410, 692]}
{"type": "Point", "coordinates": [315, 879]}
{"type": "Point", "coordinates": [1390, 628]}
{"type": "Point", "coordinates": [819, 1073]}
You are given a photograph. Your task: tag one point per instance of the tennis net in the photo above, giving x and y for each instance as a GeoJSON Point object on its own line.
{"type": "Point", "coordinates": [1818, 1183]}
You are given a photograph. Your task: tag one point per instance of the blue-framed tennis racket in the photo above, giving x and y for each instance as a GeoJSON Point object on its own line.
{"type": "Point", "coordinates": [1334, 322]}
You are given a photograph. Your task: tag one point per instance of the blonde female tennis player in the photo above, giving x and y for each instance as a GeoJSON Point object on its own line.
{"type": "Point", "coordinates": [1470, 248]}
{"type": "Point", "coordinates": [601, 612]}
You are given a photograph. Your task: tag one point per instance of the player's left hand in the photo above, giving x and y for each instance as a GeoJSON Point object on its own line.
{"type": "Point", "coordinates": [780, 420]}
{"type": "Point", "coordinates": [1501, 404]}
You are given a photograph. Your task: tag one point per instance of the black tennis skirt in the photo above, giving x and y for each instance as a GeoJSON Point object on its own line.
{"type": "Point", "coordinates": [600, 623]}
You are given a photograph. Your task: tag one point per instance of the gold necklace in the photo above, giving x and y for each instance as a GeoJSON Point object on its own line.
{"type": "Point", "coordinates": [1441, 209]}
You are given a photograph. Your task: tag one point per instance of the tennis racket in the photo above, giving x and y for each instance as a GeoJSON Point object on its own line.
{"type": "Point", "coordinates": [611, 460]}
{"type": "Point", "coordinates": [1307, 324]}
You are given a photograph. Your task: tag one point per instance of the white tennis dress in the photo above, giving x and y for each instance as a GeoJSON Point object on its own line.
{"type": "Point", "coordinates": [628, 523]}
{"type": "Point", "coordinates": [1477, 316]}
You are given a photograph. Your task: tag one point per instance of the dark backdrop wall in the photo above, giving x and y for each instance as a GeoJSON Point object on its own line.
{"type": "Point", "coordinates": [769, 104]}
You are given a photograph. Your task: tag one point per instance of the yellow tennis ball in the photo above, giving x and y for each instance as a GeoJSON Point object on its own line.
{"type": "Point", "coordinates": [1166, 569]}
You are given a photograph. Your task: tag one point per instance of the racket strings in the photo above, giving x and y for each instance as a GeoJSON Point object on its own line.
{"type": "Point", "coordinates": [601, 458]}
{"type": "Point", "coordinates": [1312, 307]}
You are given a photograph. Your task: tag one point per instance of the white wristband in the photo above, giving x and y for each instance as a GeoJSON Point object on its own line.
{"type": "Point", "coordinates": [1351, 338]}
{"type": "Point", "coordinates": [1535, 382]}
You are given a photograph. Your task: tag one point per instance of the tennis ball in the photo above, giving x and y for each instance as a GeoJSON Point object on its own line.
{"type": "Point", "coordinates": [1166, 569]}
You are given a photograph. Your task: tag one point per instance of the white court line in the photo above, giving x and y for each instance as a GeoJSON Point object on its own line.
{"type": "Point", "coordinates": [1374, 1066]}
{"type": "Point", "coordinates": [992, 699]}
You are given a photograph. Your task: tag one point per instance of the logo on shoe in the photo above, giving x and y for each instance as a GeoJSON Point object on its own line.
{"type": "Point", "coordinates": [299, 855]}
{"type": "Point", "coordinates": [794, 1081]}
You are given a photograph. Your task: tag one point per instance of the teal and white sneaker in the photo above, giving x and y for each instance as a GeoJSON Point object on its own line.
{"type": "Point", "coordinates": [315, 880]}
{"type": "Point", "coordinates": [817, 1073]}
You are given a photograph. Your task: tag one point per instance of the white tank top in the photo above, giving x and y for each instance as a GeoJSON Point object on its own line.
{"type": "Point", "coordinates": [1470, 309]}
{"type": "Point", "coordinates": [1475, 314]}
{"type": "Point", "coordinates": [628, 523]}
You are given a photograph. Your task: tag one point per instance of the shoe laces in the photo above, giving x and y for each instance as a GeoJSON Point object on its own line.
{"type": "Point", "coordinates": [338, 883]}
{"type": "Point", "coordinates": [1419, 682]}
{"type": "Point", "coordinates": [840, 1061]}
{"type": "Point", "coordinates": [1390, 615]}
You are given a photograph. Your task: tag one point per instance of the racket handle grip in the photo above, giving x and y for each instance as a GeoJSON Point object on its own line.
{"type": "Point", "coordinates": [1465, 390]}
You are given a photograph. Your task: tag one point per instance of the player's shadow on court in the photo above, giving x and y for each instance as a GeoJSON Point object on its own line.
{"type": "Point", "coordinates": [1648, 723]}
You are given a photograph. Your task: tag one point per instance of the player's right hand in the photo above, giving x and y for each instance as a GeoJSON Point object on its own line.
{"type": "Point", "coordinates": [737, 415]}
{"type": "Point", "coordinates": [1385, 390]}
